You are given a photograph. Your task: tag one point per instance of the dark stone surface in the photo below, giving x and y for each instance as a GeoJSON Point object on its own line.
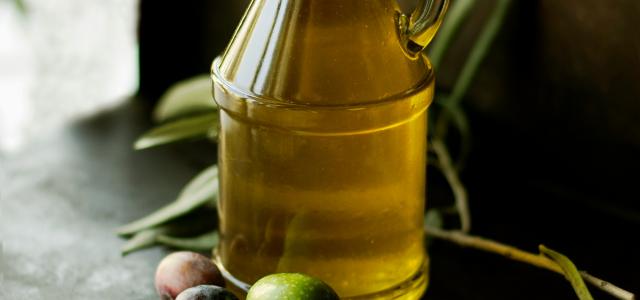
{"type": "Point", "coordinates": [63, 197]}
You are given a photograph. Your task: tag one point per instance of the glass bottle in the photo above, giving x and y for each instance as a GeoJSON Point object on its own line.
{"type": "Point", "coordinates": [322, 144]}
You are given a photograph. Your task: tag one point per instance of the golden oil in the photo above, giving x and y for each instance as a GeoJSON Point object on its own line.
{"type": "Point", "coordinates": [322, 148]}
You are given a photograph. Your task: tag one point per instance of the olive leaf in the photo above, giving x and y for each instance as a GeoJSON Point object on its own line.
{"type": "Point", "coordinates": [195, 223]}
{"type": "Point", "coordinates": [187, 97]}
{"type": "Point", "coordinates": [201, 190]}
{"type": "Point", "coordinates": [142, 239]}
{"type": "Point", "coordinates": [201, 126]}
{"type": "Point", "coordinates": [204, 242]}
{"type": "Point", "coordinates": [570, 272]}
{"type": "Point", "coordinates": [158, 235]}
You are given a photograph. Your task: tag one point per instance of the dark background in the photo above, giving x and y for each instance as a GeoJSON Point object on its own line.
{"type": "Point", "coordinates": [555, 118]}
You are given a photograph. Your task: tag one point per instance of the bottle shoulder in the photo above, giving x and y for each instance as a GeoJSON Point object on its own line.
{"type": "Point", "coordinates": [303, 52]}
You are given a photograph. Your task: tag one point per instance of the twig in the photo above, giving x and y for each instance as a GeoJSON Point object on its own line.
{"type": "Point", "coordinates": [480, 243]}
{"type": "Point", "coordinates": [514, 253]}
{"type": "Point", "coordinates": [606, 286]}
{"type": "Point", "coordinates": [459, 191]}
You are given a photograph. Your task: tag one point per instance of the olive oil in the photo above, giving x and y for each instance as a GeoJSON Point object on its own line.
{"type": "Point", "coordinates": [322, 148]}
{"type": "Point", "coordinates": [346, 207]}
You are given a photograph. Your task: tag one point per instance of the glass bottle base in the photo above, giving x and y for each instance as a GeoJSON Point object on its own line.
{"type": "Point", "coordinates": [410, 289]}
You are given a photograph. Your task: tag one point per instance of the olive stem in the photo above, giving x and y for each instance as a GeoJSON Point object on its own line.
{"type": "Point", "coordinates": [465, 240]}
{"type": "Point", "coordinates": [607, 286]}
{"type": "Point", "coordinates": [460, 195]}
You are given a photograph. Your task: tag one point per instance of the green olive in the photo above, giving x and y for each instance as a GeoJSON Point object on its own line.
{"type": "Point", "coordinates": [291, 286]}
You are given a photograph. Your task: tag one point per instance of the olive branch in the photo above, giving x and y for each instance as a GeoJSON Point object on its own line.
{"type": "Point", "coordinates": [185, 112]}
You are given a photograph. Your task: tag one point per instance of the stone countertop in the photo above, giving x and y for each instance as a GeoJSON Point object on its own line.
{"type": "Point", "coordinates": [62, 197]}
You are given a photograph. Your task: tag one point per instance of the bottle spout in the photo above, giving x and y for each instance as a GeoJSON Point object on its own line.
{"type": "Point", "coordinates": [417, 30]}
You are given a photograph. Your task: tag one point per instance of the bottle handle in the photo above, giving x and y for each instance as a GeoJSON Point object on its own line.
{"type": "Point", "coordinates": [417, 30]}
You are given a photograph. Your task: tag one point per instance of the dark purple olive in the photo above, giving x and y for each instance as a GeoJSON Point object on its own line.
{"type": "Point", "coordinates": [206, 292]}
{"type": "Point", "coordinates": [182, 270]}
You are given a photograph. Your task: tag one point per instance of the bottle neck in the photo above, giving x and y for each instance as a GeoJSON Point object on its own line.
{"type": "Point", "coordinates": [328, 52]}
